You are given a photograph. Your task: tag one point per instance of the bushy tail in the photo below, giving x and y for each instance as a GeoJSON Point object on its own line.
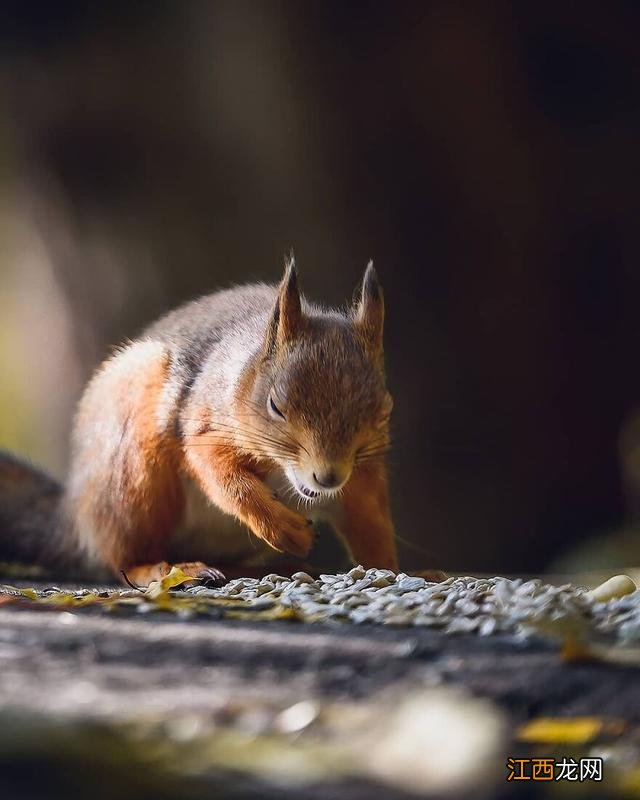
{"type": "Point", "coordinates": [29, 501]}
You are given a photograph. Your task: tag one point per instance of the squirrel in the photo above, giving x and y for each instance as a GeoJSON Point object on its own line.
{"type": "Point", "coordinates": [247, 408]}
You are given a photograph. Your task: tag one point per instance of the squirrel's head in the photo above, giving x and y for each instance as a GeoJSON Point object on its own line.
{"type": "Point", "coordinates": [319, 393]}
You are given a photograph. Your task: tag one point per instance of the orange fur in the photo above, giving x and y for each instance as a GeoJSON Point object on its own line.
{"type": "Point", "coordinates": [368, 528]}
{"type": "Point", "coordinates": [228, 480]}
{"type": "Point", "coordinates": [125, 515]}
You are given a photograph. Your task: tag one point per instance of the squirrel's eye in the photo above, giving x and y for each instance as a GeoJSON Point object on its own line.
{"type": "Point", "coordinates": [274, 408]}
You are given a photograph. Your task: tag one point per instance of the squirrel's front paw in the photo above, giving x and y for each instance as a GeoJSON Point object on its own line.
{"type": "Point", "coordinates": [290, 532]}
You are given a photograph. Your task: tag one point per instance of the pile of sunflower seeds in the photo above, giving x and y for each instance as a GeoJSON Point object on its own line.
{"type": "Point", "coordinates": [482, 606]}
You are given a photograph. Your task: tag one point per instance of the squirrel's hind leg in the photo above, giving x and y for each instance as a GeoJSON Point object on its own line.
{"type": "Point", "coordinates": [124, 495]}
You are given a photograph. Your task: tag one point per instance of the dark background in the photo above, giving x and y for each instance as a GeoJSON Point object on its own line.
{"type": "Point", "coordinates": [484, 154]}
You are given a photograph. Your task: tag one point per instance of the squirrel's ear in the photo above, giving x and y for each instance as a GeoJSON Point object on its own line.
{"type": "Point", "coordinates": [286, 319]}
{"type": "Point", "coordinates": [368, 312]}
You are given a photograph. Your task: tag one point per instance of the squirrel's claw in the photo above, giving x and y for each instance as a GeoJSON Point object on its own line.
{"type": "Point", "coordinates": [213, 577]}
{"type": "Point", "coordinates": [209, 576]}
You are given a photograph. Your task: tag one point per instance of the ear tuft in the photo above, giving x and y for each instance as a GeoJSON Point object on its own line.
{"type": "Point", "coordinates": [370, 283]}
{"type": "Point", "coordinates": [289, 282]}
{"type": "Point", "coordinates": [368, 314]}
{"type": "Point", "coordinates": [286, 319]}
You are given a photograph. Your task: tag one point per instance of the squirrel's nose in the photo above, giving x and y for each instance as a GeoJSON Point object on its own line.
{"type": "Point", "coordinates": [328, 478]}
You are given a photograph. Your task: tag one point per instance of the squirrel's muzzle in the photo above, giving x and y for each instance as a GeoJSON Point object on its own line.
{"type": "Point", "coordinates": [318, 477]}
{"type": "Point", "coordinates": [328, 478]}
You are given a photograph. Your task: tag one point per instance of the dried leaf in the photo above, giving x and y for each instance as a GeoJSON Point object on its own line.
{"type": "Point", "coordinates": [560, 730]}
{"type": "Point", "coordinates": [158, 590]}
{"type": "Point", "coordinates": [30, 594]}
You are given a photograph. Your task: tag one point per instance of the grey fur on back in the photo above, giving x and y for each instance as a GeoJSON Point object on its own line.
{"type": "Point", "coordinates": [192, 330]}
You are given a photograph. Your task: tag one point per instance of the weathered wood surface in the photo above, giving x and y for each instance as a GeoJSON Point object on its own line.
{"type": "Point", "coordinates": [61, 672]}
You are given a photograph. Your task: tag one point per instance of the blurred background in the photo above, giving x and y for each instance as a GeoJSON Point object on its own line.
{"type": "Point", "coordinates": [484, 154]}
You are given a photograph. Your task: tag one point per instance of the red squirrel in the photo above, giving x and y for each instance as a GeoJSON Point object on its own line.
{"type": "Point", "coordinates": [248, 408]}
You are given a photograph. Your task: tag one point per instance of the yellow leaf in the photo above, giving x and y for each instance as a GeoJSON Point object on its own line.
{"type": "Point", "coordinates": [560, 730]}
{"type": "Point", "coordinates": [31, 594]}
{"type": "Point", "coordinates": [159, 589]}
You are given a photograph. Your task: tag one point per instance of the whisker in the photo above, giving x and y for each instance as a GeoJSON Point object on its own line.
{"type": "Point", "coordinates": [277, 457]}
{"type": "Point", "coordinates": [249, 436]}
{"type": "Point", "coordinates": [372, 453]}
{"type": "Point", "coordinates": [274, 454]}
{"type": "Point", "coordinates": [256, 447]}
{"type": "Point", "coordinates": [218, 424]}
{"type": "Point", "coordinates": [291, 491]}
{"type": "Point", "coordinates": [377, 446]}
{"type": "Point", "coordinates": [258, 437]}
{"type": "Point", "coordinates": [214, 436]}
{"type": "Point", "coordinates": [223, 428]}
{"type": "Point", "coordinates": [376, 451]}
